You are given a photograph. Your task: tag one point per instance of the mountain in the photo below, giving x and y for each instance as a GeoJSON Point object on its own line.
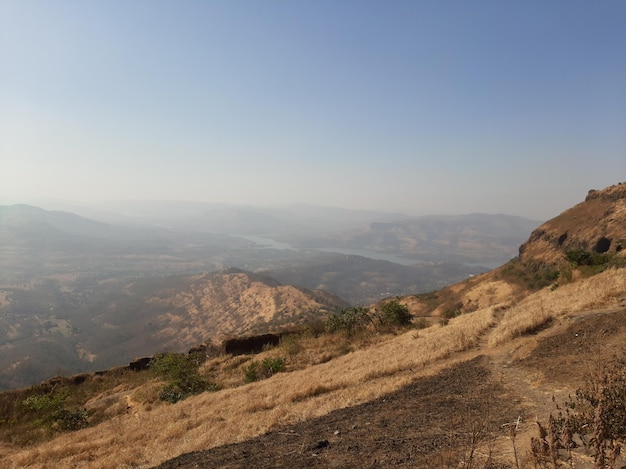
{"type": "Point", "coordinates": [63, 326]}
{"type": "Point", "coordinates": [35, 227]}
{"type": "Point", "coordinates": [520, 367]}
{"type": "Point", "coordinates": [235, 219]}
{"type": "Point", "coordinates": [597, 225]}
{"type": "Point", "coordinates": [360, 280]}
{"type": "Point", "coordinates": [581, 241]}
{"type": "Point", "coordinates": [327, 249]}
{"type": "Point", "coordinates": [234, 302]}
{"type": "Point", "coordinates": [481, 239]}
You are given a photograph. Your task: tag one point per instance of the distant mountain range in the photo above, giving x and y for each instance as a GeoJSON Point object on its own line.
{"type": "Point", "coordinates": [504, 349]}
{"type": "Point", "coordinates": [79, 294]}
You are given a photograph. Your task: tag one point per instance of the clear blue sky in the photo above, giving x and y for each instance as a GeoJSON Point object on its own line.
{"type": "Point", "coordinates": [417, 106]}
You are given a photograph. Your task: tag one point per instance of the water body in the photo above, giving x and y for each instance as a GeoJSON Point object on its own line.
{"type": "Point", "coordinates": [267, 243]}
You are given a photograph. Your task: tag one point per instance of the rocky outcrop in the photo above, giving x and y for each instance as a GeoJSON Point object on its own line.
{"type": "Point", "coordinates": [249, 345]}
{"type": "Point", "coordinates": [596, 225]}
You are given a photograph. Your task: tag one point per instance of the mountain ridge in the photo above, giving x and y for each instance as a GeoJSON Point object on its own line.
{"type": "Point", "coordinates": [500, 349]}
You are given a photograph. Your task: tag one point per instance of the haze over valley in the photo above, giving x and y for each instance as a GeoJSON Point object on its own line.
{"type": "Point", "coordinates": [79, 294]}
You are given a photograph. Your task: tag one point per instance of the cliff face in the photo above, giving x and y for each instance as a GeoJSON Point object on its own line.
{"type": "Point", "coordinates": [596, 225]}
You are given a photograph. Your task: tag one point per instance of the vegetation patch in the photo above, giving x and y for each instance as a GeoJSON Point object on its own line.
{"type": "Point", "coordinates": [256, 371]}
{"type": "Point", "coordinates": [49, 411]}
{"type": "Point", "coordinates": [181, 370]}
{"type": "Point", "coordinates": [595, 417]}
{"type": "Point", "coordinates": [349, 321]}
{"type": "Point", "coordinates": [534, 277]}
{"type": "Point", "coordinates": [394, 314]}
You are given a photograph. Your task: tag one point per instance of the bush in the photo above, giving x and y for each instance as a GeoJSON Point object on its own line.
{"type": "Point", "coordinates": [182, 373]}
{"type": "Point", "coordinates": [582, 257]}
{"type": "Point", "coordinates": [597, 413]}
{"type": "Point", "coordinates": [349, 320]}
{"type": "Point", "coordinates": [71, 420]}
{"type": "Point", "coordinates": [51, 412]}
{"type": "Point", "coordinates": [256, 371]}
{"type": "Point", "coordinates": [394, 314]}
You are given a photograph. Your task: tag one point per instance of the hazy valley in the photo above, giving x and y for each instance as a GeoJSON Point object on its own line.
{"type": "Point", "coordinates": [78, 294]}
{"type": "Point", "coordinates": [463, 383]}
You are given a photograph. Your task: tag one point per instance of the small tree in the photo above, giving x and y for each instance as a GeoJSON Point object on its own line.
{"type": "Point", "coordinates": [393, 314]}
{"type": "Point", "coordinates": [348, 320]}
{"type": "Point", "coordinates": [182, 373]}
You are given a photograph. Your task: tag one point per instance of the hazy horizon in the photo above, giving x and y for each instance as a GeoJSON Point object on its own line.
{"type": "Point", "coordinates": [445, 107]}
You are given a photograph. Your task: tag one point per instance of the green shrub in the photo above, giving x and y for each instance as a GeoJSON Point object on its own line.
{"type": "Point", "coordinates": [394, 314]}
{"type": "Point", "coordinates": [582, 257]}
{"type": "Point", "coordinates": [51, 413]}
{"type": "Point", "coordinates": [256, 371]}
{"type": "Point", "coordinates": [181, 370]}
{"type": "Point", "coordinates": [45, 403]}
{"type": "Point", "coordinates": [349, 320]}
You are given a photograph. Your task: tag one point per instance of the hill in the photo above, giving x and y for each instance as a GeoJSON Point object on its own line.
{"type": "Point", "coordinates": [485, 361]}
{"type": "Point", "coordinates": [71, 326]}
{"type": "Point", "coordinates": [485, 239]}
{"type": "Point", "coordinates": [183, 238]}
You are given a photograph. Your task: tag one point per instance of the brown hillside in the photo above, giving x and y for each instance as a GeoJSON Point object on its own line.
{"type": "Point", "coordinates": [598, 224]}
{"type": "Point", "coordinates": [231, 302]}
{"type": "Point", "coordinates": [595, 226]}
{"type": "Point", "coordinates": [503, 352]}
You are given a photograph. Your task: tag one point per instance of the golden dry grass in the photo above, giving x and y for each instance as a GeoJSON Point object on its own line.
{"type": "Point", "coordinates": [538, 309]}
{"type": "Point", "coordinates": [149, 437]}
{"type": "Point", "coordinates": [333, 379]}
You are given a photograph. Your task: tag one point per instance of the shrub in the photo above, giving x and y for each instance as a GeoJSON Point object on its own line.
{"type": "Point", "coordinates": [349, 320]}
{"type": "Point", "coordinates": [256, 371]}
{"type": "Point", "coordinates": [394, 314]}
{"type": "Point", "coordinates": [582, 257]}
{"type": "Point", "coordinates": [51, 412]}
{"type": "Point", "coordinates": [597, 413]}
{"type": "Point", "coordinates": [71, 420]}
{"type": "Point", "coordinates": [182, 373]}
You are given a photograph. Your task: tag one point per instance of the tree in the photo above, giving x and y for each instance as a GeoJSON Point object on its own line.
{"type": "Point", "coordinates": [393, 313]}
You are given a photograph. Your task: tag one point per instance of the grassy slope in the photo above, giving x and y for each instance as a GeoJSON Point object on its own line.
{"type": "Point", "coordinates": [322, 377]}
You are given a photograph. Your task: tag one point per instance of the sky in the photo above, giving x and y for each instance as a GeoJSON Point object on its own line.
{"type": "Point", "coordinates": [421, 106]}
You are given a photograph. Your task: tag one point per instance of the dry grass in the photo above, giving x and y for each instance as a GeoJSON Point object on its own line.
{"type": "Point", "coordinates": [323, 377]}
{"type": "Point", "coordinates": [235, 414]}
{"type": "Point", "coordinates": [540, 308]}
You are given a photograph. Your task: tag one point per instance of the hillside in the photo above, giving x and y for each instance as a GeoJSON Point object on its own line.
{"type": "Point", "coordinates": [70, 325]}
{"type": "Point", "coordinates": [234, 302]}
{"type": "Point", "coordinates": [476, 238]}
{"type": "Point", "coordinates": [183, 238]}
{"type": "Point", "coordinates": [485, 360]}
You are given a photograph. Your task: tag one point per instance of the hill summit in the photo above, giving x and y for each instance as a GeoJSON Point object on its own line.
{"type": "Point", "coordinates": [597, 225]}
